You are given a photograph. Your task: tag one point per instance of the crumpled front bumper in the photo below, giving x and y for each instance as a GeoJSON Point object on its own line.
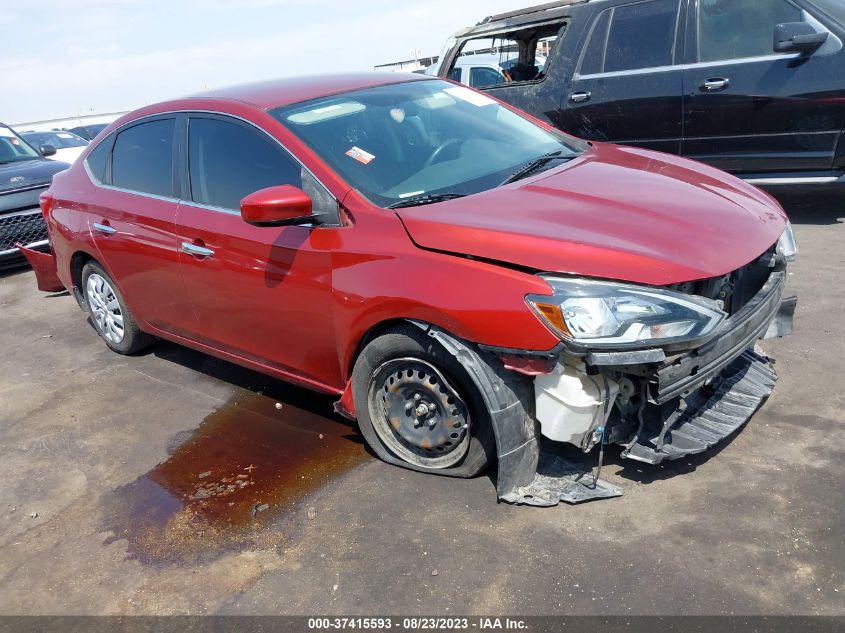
{"type": "Point", "coordinates": [691, 399]}
{"type": "Point", "coordinates": [767, 313]}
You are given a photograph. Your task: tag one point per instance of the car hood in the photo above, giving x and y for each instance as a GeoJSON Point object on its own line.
{"type": "Point", "coordinates": [615, 213]}
{"type": "Point", "coordinates": [30, 173]}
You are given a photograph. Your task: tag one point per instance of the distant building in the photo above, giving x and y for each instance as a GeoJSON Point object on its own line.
{"type": "Point", "coordinates": [408, 65]}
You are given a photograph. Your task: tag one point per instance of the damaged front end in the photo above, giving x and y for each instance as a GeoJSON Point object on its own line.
{"type": "Point", "coordinates": [663, 372]}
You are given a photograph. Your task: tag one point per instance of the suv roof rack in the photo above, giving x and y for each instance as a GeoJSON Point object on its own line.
{"type": "Point", "coordinates": [527, 10]}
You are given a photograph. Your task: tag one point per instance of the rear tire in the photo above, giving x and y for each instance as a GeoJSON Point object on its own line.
{"type": "Point", "coordinates": [109, 314]}
{"type": "Point", "coordinates": [418, 408]}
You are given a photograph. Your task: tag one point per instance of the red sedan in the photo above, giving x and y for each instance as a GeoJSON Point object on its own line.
{"type": "Point", "coordinates": [462, 276]}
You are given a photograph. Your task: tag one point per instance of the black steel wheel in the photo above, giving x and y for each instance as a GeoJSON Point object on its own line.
{"type": "Point", "coordinates": [418, 408]}
{"type": "Point", "coordinates": [418, 414]}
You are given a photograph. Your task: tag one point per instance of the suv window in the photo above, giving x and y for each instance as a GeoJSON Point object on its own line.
{"type": "Point", "coordinates": [502, 50]}
{"type": "Point", "coordinates": [142, 159]}
{"type": "Point", "coordinates": [592, 59]}
{"type": "Point", "coordinates": [228, 161]}
{"type": "Point", "coordinates": [641, 35]}
{"type": "Point", "coordinates": [732, 30]}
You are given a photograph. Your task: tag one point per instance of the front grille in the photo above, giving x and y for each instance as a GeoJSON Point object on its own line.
{"type": "Point", "coordinates": [735, 289]}
{"type": "Point", "coordinates": [25, 227]}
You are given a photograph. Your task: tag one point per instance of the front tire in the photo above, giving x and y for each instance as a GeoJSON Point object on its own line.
{"type": "Point", "coordinates": [418, 408]}
{"type": "Point", "coordinates": [109, 314]}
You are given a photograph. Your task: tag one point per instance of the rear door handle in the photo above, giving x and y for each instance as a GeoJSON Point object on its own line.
{"type": "Point", "coordinates": [104, 228]}
{"type": "Point", "coordinates": [580, 97]}
{"type": "Point", "coordinates": [715, 84]}
{"type": "Point", "coordinates": [193, 249]}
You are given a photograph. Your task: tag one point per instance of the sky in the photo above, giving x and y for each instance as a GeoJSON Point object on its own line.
{"type": "Point", "coordinates": [64, 58]}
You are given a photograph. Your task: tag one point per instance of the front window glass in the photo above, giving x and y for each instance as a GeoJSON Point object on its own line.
{"type": "Point", "coordinates": [421, 137]}
{"type": "Point", "coordinates": [59, 140]}
{"type": "Point", "coordinates": [228, 162]}
{"type": "Point", "coordinates": [728, 29]}
{"type": "Point", "coordinates": [13, 148]}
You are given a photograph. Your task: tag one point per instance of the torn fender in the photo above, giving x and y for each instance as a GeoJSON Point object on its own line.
{"type": "Point", "coordinates": [516, 437]}
{"type": "Point", "coordinates": [44, 266]}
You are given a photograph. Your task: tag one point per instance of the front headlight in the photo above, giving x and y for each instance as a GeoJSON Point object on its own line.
{"type": "Point", "coordinates": [787, 247]}
{"type": "Point", "coordinates": [615, 315]}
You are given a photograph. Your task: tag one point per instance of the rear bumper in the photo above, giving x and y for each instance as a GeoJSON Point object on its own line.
{"type": "Point", "coordinates": [680, 375]}
{"type": "Point", "coordinates": [44, 266]}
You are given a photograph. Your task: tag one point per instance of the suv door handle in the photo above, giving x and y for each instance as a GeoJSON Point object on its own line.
{"type": "Point", "coordinates": [199, 251]}
{"type": "Point", "coordinates": [715, 84]}
{"type": "Point", "coordinates": [580, 97]}
{"type": "Point", "coordinates": [104, 228]}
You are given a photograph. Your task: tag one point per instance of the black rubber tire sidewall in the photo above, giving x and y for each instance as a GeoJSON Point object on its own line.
{"type": "Point", "coordinates": [411, 341]}
{"type": "Point", "coordinates": [133, 338]}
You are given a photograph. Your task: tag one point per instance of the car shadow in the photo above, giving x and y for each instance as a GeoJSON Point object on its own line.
{"type": "Point", "coordinates": [258, 383]}
{"type": "Point", "coordinates": [805, 205]}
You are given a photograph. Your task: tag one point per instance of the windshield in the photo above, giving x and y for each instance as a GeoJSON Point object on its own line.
{"type": "Point", "coordinates": [421, 139]}
{"type": "Point", "coordinates": [13, 148]}
{"type": "Point", "coordinates": [59, 140]}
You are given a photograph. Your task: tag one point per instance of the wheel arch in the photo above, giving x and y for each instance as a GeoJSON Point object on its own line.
{"type": "Point", "coordinates": [77, 263]}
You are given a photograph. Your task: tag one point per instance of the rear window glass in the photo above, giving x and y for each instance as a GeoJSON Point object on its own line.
{"type": "Point", "coordinates": [97, 160]}
{"type": "Point", "coordinates": [641, 35]}
{"type": "Point", "coordinates": [593, 56]}
{"type": "Point", "coordinates": [142, 159]}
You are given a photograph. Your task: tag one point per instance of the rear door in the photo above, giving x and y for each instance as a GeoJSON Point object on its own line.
{"type": "Point", "coordinates": [132, 219]}
{"type": "Point", "coordinates": [262, 293]}
{"type": "Point", "coordinates": [748, 109]}
{"type": "Point", "coordinates": [627, 87]}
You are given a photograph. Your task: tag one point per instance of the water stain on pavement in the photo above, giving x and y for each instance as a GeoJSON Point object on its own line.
{"type": "Point", "coordinates": [222, 486]}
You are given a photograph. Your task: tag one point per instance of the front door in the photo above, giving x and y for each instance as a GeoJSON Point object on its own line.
{"type": "Point", "coordinates": [627, 87]}
{"type": "Point", "coordinates": [748, 109]}
{"type": "Point", "coordinates": [262, 293]}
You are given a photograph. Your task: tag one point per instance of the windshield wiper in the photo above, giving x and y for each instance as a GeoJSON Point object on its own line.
{"type": "Point", "coordinates": [533, 165]}
{"type": "Point", "coordinates": [425, 199]}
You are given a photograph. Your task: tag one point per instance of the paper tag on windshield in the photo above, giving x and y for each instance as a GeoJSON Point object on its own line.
{"type": "Point", "coordinates": [470, 96]}
{"type": "Point", "coordinates": [360, 155]}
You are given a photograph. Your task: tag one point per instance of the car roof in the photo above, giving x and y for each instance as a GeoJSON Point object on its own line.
{"type": "Point", "coordinates": [281, 92]}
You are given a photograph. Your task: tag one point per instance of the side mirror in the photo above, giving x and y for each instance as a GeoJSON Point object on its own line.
{"type": "Point", "coordinates": [277, 206]}
{"type": "Point", "coordinates": [47, 150]}
{"type": "Point", "coordinates": [797, 37]}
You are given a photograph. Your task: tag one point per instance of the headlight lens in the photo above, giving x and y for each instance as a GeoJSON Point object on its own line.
{"type": "Point", "coordinates": [613, 315]}
{"type": "Point", "coordinates": [787, 247]}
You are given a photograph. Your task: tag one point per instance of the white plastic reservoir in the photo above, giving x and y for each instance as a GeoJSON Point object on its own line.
{"type": "Point", "coordinates": [571, 404]}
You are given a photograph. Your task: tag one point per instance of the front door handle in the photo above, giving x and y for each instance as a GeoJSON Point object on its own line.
{"type": "Point", "coordinates": [199, 251]}
{"type": "Point", "coordinates": [580, 97]}
{"type": "Point", "coordinates": [105, 229]}
{"type": "Point", "coordinates": [715, 84]}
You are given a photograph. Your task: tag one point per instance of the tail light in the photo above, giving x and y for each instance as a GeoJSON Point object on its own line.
{"type": "Point", "coordinates": [46, 202]}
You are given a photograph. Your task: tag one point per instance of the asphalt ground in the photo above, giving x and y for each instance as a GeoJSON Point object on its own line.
{"type": "Point", "coordinates": [172, 482]}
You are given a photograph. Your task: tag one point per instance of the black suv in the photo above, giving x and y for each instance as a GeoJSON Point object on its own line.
{"type": "Point", "coordinates": [754, 87]}
{"type": "Point", "coordinates": [24, 174]}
